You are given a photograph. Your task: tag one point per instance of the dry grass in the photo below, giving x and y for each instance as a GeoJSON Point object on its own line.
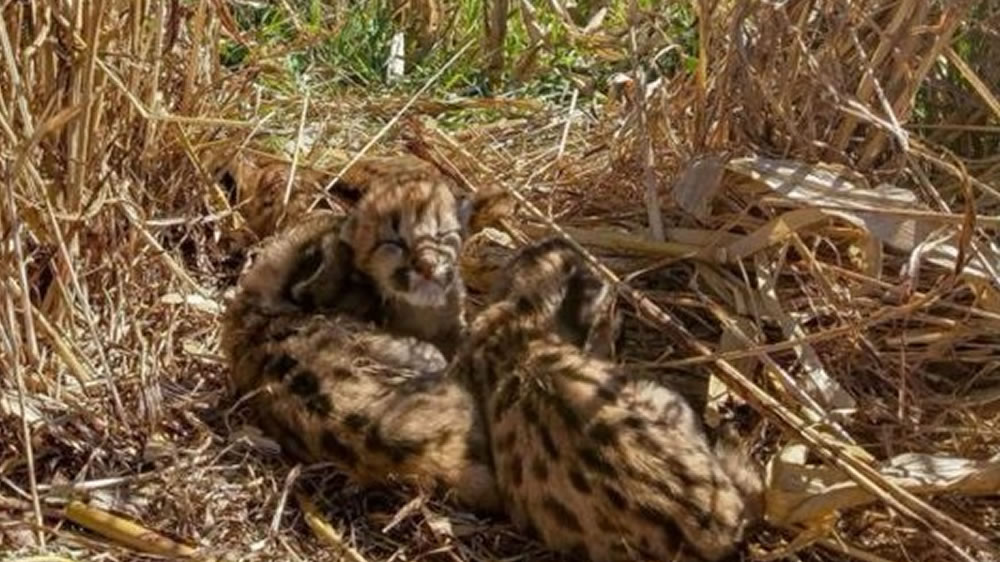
{"type": "Point", "coordinates": [860, 320]}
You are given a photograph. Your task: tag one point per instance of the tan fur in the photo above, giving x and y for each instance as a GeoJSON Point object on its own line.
{"type": "Point", "coordinates": [257, 189]}
{"type": "Point", "coordinates": [344, 372]}
{"type": "Point", "coordinates": [376, 406]}
{"type": "Point", "coordinates": [600, 465]}
{"type": "Point", "coordinates": [406, 234]}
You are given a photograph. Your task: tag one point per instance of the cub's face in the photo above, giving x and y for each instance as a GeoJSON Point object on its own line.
{"type": "Point", "coordinates": [407, 238]}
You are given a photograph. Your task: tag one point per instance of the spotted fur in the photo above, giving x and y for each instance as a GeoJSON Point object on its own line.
{"type": "Point", "coordinates": [405, 236]}
{"type": "Point", "coordinates": [600, 465]}
{"type": "Point", "coordinates": [343, 370]}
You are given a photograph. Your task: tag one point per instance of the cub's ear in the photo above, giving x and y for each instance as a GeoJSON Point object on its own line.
{"type": "Point", "coordinates": [484, 208]}
{"type": "Point", "coordinates": [466, 208]}
{"type": "Point", "coordinates": [349, 191]}
{"type": "Point", "coordinates": [304, 273]}
{"type": "Point", "coordinates": [229, 187]}
{"type": "Point", "coordinates": [320, 273]}
{"type": "Point", "coordinates": [583, 297]}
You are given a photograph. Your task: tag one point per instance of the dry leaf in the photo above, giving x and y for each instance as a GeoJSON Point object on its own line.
{"type": "Point", "coordinates": [195, 301]}
{"type": "Point", "coordinates": [326, 533]}
{"type": "Point", "coordinates": [891, 214]}
{"type": "Point", "coordinates": [125, 532]}
{"type": "Point", "coordinates": [595, 21]}
{"type": "Point", "coordinates": [718, 392]}
{"type": "Point", "coordinates": [817, 382]}
{"type": "Point", "coordinates": [11, 406]}
{"type": "Point", "coordinates": [697, 186]}
{"type": "Point", "coordinates": [775, 231]}
{"type": "Point", "coordinates": [799, 493]}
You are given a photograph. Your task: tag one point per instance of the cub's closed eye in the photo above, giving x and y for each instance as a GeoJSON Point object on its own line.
{"type": "Point", "coordinates": [450, 236]}
{"type": "Point", "coordinates": [392, 244]}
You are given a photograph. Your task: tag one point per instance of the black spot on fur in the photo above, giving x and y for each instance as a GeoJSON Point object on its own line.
{"type": "Point", "coordinates": [566, 412]}
{"type": "Point", "coordinates": [602, 434]}
{"type": "Point", "coordinates": [548, 443]}
{"type": "Point", "coordinates": [398, 450]}
{"type": "Point", "coordinates": [660, 519]}
{"type": "Point", "coordinates": [605, 524]}
{"type": "Point", "coordinates": [319, 404]}
{"type": "Point", "coordinates": [291, 442]}
{"type": "Point", "coordinates": [342, 373]}
{"type": "Point", "coordinates": [652, 515]}
{"type": "Point", "coordinates": [338, 449]}
{"type": "Point", "coordinates": [524, 305]}
{"type": "Point", "coordinates": [280, 365]}
{"type": "Point", "coordinates": [540, 469]}
{"type": "Point", "coordinates": [304, 383]}
{"type": "Point", "coordinates": [635, 422]}
{"type": "Point", "coordinates": [443, 437]}
{"type": "Point", "coordinates": [356, 422]}
{"type": "Point", "coordinates": [374, 441]}
{"type": "Point", "coordinates": [561, 514]}
{"type": "Point", "coordinates": [401, 450]}
{"type": "Point", "coordinates": [648, 443]}
{"type": "Point", "coordinates": [506, 442]}
{"type": "Point", "coordinates": [579, 481]}
{"type": "Point", "coordinates": [515, 470]}
{"type": "Point", "coordinates": [606, 394]}
{"type": "Point", "coordinates": [617, 498]}
{"type": "Point", "coordinates": [592, 458]}
{"type": "Point", "coordinates": [661, 487]}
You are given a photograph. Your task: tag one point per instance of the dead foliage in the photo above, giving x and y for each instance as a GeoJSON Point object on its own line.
{"type": "Point", "coordinates": [806, 221]}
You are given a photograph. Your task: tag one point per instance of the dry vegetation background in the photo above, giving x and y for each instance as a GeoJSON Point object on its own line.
{"type": "Point", "coordinates": [802, 198]}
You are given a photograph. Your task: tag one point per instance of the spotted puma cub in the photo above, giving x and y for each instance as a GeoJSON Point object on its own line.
{"type": "Point", "coordinates": [600, 465]}
{"type": "Point", "coordinates": [342, 328]}
{"type": "Point", "coordinates": [404, 237]}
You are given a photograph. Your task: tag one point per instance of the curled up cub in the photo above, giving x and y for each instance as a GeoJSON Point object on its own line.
{"type": "Point", "coordinates": [601, 466]}
{"type": "Point", "coordinates": [341, 329]}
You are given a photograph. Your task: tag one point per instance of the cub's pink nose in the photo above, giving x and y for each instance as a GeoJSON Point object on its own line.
{"type": "Point", "coordinates": [425, 267]}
